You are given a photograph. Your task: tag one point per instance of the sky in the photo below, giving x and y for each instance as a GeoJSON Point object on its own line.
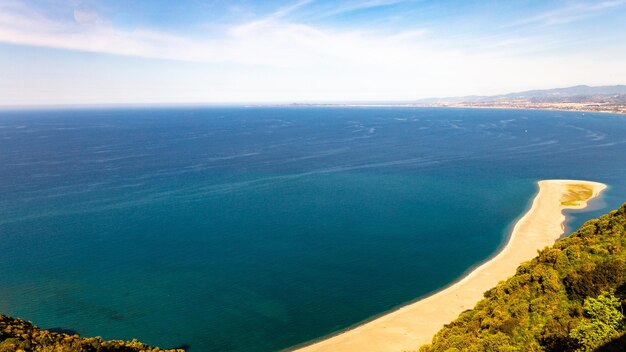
{"type": "Point", "coordinates": [242, 51]}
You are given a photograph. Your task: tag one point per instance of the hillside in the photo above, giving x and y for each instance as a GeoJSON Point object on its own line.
{"type": "Point", "coordinates": [20, 335]}
{"type": "Point", "coordinates": [571, 297]}
{"type": "Point", "coordinates": [553, 95]}
{"type": "Point", "coordinates": [577, 98]}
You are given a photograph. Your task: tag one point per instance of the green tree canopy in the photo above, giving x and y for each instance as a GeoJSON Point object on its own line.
{"type": "Point", "coordinates": [557, 302]}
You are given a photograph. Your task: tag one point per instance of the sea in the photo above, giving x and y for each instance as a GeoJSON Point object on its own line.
{"type": "Point", "coordinates": [241, 228]}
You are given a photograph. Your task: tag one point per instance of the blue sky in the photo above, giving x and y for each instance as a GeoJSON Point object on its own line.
{"type": "Point", "coordinates": [151, 51]}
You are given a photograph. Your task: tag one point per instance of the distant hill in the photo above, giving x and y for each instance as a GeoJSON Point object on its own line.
{"type": "Point", "coordinates": [610, 99]}
{"type": "Point", "coordinates": [581, 93]}
{"type": "Point", "coordinates": [571, 297]}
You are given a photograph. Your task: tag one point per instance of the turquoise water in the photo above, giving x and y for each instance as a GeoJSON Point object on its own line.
{"type": "Point", "coordinates": [257, 229]}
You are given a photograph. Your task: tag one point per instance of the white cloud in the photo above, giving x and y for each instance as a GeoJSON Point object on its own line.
{"type": "Point", "coordinates": [85, 15]}
{"type": "Point", "coordinates": [267, 42]}
{"type": "Point", "coordinates": [273, 59]}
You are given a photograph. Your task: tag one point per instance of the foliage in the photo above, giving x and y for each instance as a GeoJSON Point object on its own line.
{"type": "Point", "coordinates": [556, 302]}
{"type": "Point", "coordinates": [605, 320]}
{"type": "Point", "coordinates": [20, 335]}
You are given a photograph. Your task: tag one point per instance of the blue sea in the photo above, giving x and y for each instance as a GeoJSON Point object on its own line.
{"type": "Point", "coordinates": [261, 228]}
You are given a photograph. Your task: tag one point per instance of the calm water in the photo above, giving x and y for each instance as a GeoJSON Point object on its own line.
{"type": "Point", "coordinates": [256, 229]}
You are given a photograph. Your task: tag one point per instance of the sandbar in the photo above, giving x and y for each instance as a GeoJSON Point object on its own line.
{"type": "Point", "coordinates": [415, 324]}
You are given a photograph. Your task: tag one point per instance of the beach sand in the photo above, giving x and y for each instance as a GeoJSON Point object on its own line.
{"type": "Point", "coordinates": [413, 325]}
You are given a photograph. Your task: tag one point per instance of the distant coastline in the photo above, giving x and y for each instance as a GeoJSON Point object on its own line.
{"type": "Point", "coordinates": [580, 107]}
{"type": "Point", "coordinates": [620, 109]}
{"type": "Point", "coordinates": [415, 324]}
{"type": "Point", "coordinates": [582, 98]}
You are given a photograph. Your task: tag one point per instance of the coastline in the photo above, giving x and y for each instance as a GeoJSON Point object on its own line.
{"type": "Point", "coordinates": [522, 107]}
{"type": "Point", "coordinates": [463, 106]}
{"type": "Point", "coordinates": [414, 324]}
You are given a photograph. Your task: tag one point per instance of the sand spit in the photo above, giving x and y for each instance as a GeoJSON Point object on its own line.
{"type": "Point", "coordinates": [413, 325]}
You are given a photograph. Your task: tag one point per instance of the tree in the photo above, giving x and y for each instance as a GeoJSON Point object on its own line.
{"type": "Point", "coordinates": [605, 318]}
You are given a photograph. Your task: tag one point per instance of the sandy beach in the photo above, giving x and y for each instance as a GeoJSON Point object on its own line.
{"type": "Point", "coordinates": [413, 325]}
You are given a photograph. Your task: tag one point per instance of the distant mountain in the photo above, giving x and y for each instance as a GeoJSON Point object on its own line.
{"type": "Point", "coordinates": [570, 94]}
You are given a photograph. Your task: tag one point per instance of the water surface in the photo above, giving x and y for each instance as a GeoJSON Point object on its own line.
{"type": "Point", "coordinates": [256, 229]}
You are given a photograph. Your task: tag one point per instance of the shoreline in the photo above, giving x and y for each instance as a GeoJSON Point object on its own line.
{"type": "Point", "coordinates": [414, 324]}
{"type": "Point", "coordinates": [458, 106]}
{"type": "Point", "coordinates": [538, 108]}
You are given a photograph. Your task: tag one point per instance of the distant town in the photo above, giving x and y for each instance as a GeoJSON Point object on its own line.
{"type": "Point", "coordinates": [609, 99]}
{"type": "Point", "coordinates": [587, 106]}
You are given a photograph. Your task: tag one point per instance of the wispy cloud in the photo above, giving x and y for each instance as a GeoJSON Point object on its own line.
{"type": "Point", "coordinates": [274, 16]}
{"type": "Point", "coordinates": [347, 7]}
{"type": "Point", "coordinates": [268, 41]}
{"type": "Point", "coordinates": [570, 13]}
{"type": "Point", "coordinates": [283, 55]}
{"type": "Point", "coordinates": [282, 12]}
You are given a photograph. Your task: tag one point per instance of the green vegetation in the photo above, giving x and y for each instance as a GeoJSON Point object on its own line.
{"type": "Point", "coordinates": [575, 194]}
{"type": "Point", "coordinates": [605, 318]}
{"type": "Point", "coordinates": [20, 335]}
{"type": "Point", "coordinates": [571, 297]}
